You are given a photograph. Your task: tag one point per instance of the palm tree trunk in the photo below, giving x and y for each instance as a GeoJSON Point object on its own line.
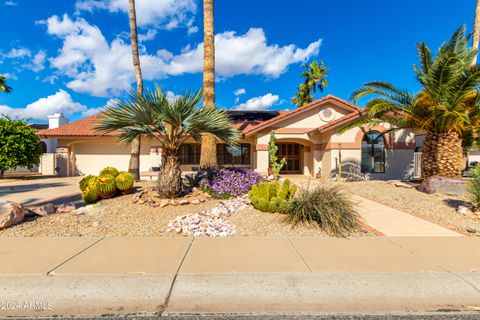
{"type": "Point", "coordinates": [208, 155]}
{"type": "Point", "coordinates": [170, 176]}
{"type": "Point", "coordinates": [134, 165]}
{"type": "Point", "coordinates": [476, 30]}
{"type": "Point", "coordinates": [442, 155]}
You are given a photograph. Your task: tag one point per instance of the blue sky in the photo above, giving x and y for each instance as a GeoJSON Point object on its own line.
{"type": "Point", "coordinates": [74, 56]}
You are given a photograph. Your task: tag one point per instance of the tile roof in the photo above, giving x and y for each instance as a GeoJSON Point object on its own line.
{"type": "Point", "coordinates": [285, 115]}
{"type": "Point", "coordinates": [81, 128]}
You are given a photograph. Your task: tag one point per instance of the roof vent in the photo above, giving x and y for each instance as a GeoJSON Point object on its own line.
{"type": "Point", "coordinates": [327, 115]}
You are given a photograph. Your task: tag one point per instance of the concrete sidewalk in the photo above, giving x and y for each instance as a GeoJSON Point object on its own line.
{"type": "Point", "coordinates": [92, 276]}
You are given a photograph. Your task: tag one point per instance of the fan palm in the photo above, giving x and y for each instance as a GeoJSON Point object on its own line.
{"type": "Point", "coordinates": [302, 96]}
{"type": "Point", "coordinates": [315, 75]}
{"type": "Point", "coordinates": [171, 123]}
{"type": "Point", "coordinates": [3, 85]}
{"type": "Point", "coordinates": [447, 107]}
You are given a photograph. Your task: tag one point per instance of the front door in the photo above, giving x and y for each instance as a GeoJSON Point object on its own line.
{"type": "Point", "coordinates": [291, 152]}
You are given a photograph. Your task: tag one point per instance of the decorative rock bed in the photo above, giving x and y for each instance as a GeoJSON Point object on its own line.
{"type": "Point", "coordinates": [210, 223]}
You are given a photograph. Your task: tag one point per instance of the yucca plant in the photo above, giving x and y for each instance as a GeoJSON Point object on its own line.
{"type": "Point", "coordinates": [473, 186]}
{"type": "Point", "coordinates": [447, 107]}
{"type": "Point", "coordinates": [326, 205]}
{"type": "Point", "coordinates": [171, 123]}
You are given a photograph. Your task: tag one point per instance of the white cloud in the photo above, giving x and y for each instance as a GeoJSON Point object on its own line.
{"type": "Point", "coordinates": [38, 62]}
{"type": "Point", "coordinates": [150, 35]}
{"type": "Point", "coordinates": [60, 102]}
{"type": "Point", "coordinates": [171, 96]}
{"type": "Point", "coordinates": [243, 54]}
{"type": "Point", "coordinates": [192, 30]}
{"type": "Point", "coordinates": [10, 3]}
{"type": "Point", "coordinates": [20, 52]}
{"type": "Point", "coordinates": [259, 103]}
{"type": "Point", "coordinates": [104, 69]}
{"type": "Point", "coordinates": [239, 91]}
{"type": "Point", "coordinates": [168, 14]}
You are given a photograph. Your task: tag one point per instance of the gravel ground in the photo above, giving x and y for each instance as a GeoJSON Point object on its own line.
{"type": "Point", "coordinates": [120, 217]}
{"type": "Point", "coordinates": [438, 208]}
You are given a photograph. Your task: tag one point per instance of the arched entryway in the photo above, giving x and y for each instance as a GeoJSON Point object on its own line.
{"type": "Point", "coordinates": [292, 153]}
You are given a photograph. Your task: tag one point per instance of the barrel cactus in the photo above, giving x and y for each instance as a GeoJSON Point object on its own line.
{"type": "Point", "coordinates": [89, 194]}
{"type": "Point", "coordinates": [109, 170]}
{"type": "Point", "coordinates": [86, 181]}
{"type": "Point", "coordinates": [124, 182]}
{"type": "Point", "coordinates": [105, 186]}
{"type": "Point", "coordinates": [272, 197]}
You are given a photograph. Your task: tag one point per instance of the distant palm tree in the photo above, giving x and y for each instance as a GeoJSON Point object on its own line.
{"type": "Point", "coordinates": [302, 96]}
{"type": "Point", "coordinates": [171, 124]}
{"type": "Point", "coordinates": [134, 165]}
{"type": "Point", "coordinates": [3, 85]}
{"type": "Point", "coordinates": [476, 30]}
{"type": "Point", "coordinates": [315, 75]}
{"type": "Point", "coordinates": [447, 107]}
{"type": "Point", "coordinates": [208, 155]}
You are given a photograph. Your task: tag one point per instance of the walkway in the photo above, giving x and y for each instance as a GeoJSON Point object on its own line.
{"type": "Point", "coordinates": [37, 189]}
{"type": "Point", "coordinates": [92, 276]}
{"type": "Point", "coordinates": [387, 220]}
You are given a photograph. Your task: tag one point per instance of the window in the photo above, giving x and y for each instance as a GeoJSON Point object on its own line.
{"type": "Point", "coordinates": [233, 155]}
{"type": "Point", "coordinates": [373, 152]}
{"type": "Point", "coordinates": [189, 153]}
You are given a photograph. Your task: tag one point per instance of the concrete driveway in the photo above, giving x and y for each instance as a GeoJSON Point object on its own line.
{"type": "Point", "coordinates": [31, 190]}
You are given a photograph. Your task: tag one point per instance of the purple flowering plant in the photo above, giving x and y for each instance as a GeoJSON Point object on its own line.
{"type": "Point", "coordinates": [229, 182]}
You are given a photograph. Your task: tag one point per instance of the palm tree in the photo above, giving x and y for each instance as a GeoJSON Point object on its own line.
{"type": "Point", "coordinates": [302, 96]}
{"type": "Point", "coordinates": [171, 123]}
{"type": "Point", "coordinates": [476, 30]}
{"type": "Point", "coordinates": [447, 107]}
{"type": "Point", "coordinates": [3, 85]}
{"type": "Point", "coordinates": [315, 77]}
{"type": "Point", "coordinates": [134, 165]}
{"type": "Point", "coordinates": [208, 155]}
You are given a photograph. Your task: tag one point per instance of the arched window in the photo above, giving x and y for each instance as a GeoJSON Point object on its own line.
{"type": "Point", "coordinates": [373, 152]}
{"type": "Point", "coordinates": [42, 146]}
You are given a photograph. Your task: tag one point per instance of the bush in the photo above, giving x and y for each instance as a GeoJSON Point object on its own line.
{"type": "Point", "coordinates": [272, 197]}
{"type": "Point", "coordinates": [327, 206]}
{"type": "Point", "coordinates": [473, 186]}
{"type": "Point", "coordinates": [229, 182]}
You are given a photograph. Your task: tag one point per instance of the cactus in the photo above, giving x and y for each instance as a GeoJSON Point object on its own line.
{"type": "Point", "coordinates": [86, 181]}
{"type": "Point", "coordinates": [272, 197]}
{"type": "Point", "coordinates": [106, 186]}
{"type": "Point", "coordinates": [89, 194]}
{"type": "Point", "coordinates": [109, 170]}
{"type": "Point", "coordinates": [124, 182]}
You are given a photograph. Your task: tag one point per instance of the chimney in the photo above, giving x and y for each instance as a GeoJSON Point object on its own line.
{"type": "Point", "coordinates": [56, 120]}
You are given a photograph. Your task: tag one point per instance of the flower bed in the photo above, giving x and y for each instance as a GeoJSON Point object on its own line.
{"type": "Point", "coordinates": [229, 182]}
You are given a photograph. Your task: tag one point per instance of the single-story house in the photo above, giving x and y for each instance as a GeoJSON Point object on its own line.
{"type": "Point", "coordinates": [308, 137]}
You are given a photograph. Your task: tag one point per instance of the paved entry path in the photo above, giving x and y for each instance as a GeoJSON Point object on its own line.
{"type": "Point", "coordinates": [387, 220]}
{"type": "Point", "coordinates": [395, 223]}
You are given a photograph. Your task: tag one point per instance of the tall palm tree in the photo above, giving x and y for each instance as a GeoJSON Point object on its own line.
{"type": "Point", "coordinates": [476, 30]}
{"type": "Point", "coordinates": [171, 123]}
{"type": "Point", "coordinates": [3, 85]}
{"type": "Point", "coordinates": [208, 155]}
{"type": "Point", "coordinates": [134, 165]}
{"type": "Point", "coordinates": [315, 75]}
{"type": "Point", "coordinates": [447, 107]}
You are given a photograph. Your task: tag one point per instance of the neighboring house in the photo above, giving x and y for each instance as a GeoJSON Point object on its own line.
{"type": "Point", "coordinates": [308, 137]}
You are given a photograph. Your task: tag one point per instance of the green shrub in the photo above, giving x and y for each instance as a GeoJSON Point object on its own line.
{"type": "Point", "coordinates": [124, 182]}
{"type": "Point", "coordinates": [328, 206]}
{"type": "Point", "coordinates": [109, 170]}
{"type": "Point", "coordinates": [86, 181]}
{"type": "Point", "coordinates": [473, 186]}
{"type": "Point", "coordinates": [105, 186]}
{"type": "Point", "coordinates": [271, 196]}
{"type": "Point", "coordinates": [89, 194]}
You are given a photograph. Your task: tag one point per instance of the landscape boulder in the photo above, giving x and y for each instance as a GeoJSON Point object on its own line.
{"type": "Point", "coordinates": [11, 213]}
{"type": "Point", "coordinates": [449, 186]}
